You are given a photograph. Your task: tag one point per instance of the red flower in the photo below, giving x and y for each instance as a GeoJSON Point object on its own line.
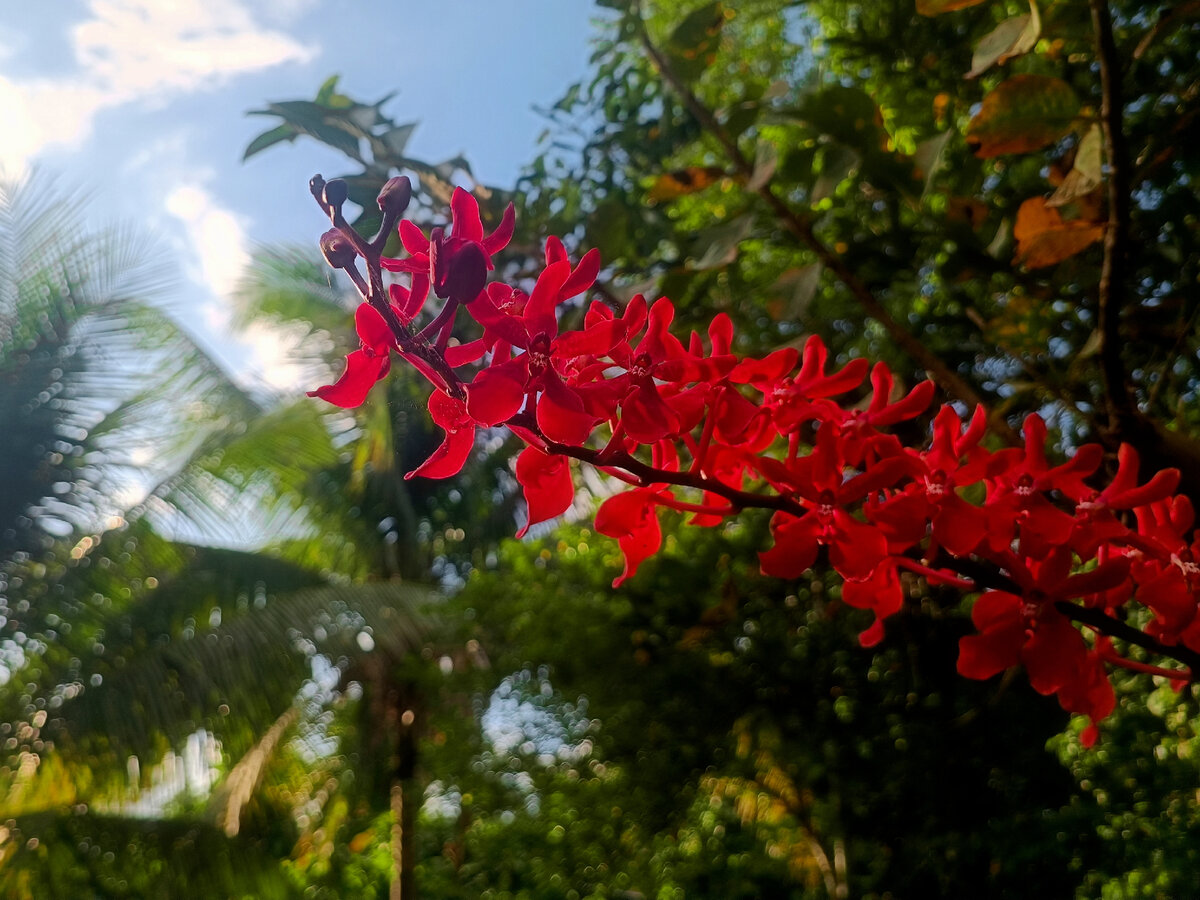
{"type": "Point", "coordinates": [1030, 630]}
{"type": "Point", "coordinates": [855, 548]}
{"type": "Point", "coordinates": [456, 264]}
{"type": "Point", "coordinates": [364, 366]}
{"type": "Point", "coordinates": [490, 400]}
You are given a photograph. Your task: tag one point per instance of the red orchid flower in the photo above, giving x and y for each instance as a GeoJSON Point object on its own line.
{"type": "Point", "coordinates": [456, 264]}
{"type": "Point", "coordinates": [1029, 629]}
{"type": "Point", "coordinates": [818, 480]}
{"type": "Point", "coordinates": [491, 399]}
{"type": "Point", "coordinates": [1016, 496]}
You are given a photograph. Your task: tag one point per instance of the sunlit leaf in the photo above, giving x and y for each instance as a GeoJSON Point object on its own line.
{"type": "Point", "coordinates": [1085, 174]}
{"type": "Point", "coordinates": [680, 182]}
{"type": "Point", "coordinates": [719, 246]}
{"type": "Point", "coordinates": [1022, 114]}
{"type": "Point", "coordinates": [1012, 37]}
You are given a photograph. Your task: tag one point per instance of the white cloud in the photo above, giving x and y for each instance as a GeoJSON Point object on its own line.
{"type": "Point", "coordinates": [216, 248]}
{"type": "Point", "coordinates": [216, 237]}
{"type": "Point", "coordinates": [136, 50]}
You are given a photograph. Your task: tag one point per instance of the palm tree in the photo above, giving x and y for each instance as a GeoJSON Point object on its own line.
{"type": "Point", "coordinates": [117, 644]}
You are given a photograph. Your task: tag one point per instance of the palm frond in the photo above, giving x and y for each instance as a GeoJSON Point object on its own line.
{"type": "Point", "coordinates": [82, 854]}
{"type": "Point", "coordinates": [237, 678]}
{"type": "Point", "coordinates": [86, 362]}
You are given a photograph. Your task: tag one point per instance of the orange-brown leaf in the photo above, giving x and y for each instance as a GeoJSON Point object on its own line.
{"type": "Point", "coordinates": [670, 185]}
{"type": "Point", "coordinates": [1045, 239]}
{"type": "Point", "coordinates": [1022, 114]}
{"type": "Point", "coordinates": [937, 7]}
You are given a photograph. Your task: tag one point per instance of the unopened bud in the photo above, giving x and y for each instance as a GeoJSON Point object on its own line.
{"type": "Point", "coordinates": [395, 195]}
{"type": "Point", "coordinates": [463, 275]}
{"type": "Point", "coordinates": [335, 193]}
{"type": "Point", "coordinates": [338, 251]}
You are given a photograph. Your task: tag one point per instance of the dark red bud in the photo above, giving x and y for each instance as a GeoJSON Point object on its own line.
{"type": "Point", "coordinates": [464, 274]}
{"type": "Point", "coordinates": [335, 192]}
{"type": "Point", "coordinates": [338, 251]}
{"type": "Point", "coordinates": [395, 195]}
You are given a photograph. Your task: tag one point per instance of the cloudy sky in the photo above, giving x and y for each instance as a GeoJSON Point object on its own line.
{"type": "Point", "coordinates": [143, 102]}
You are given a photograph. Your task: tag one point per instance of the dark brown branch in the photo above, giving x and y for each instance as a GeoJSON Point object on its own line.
{"type": "Point", "coordinates": [1100, 621]}
{"type": "Point", "coordinates": [801, 227]}
{"type": "Point", "coordinates": [1120, 405]}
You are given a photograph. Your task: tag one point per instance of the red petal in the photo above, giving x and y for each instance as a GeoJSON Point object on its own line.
{"type": "Point", "coordinates": [981, 656]}
{"type": "Point", "coordinates": [646, 417]}
{"type": "Point", "coordinates": [413, 239]}
{"type": "Point", "coordinates": [362, 371]}
{"type": "Point", "coordinates": [498, 239]}
{"type": "Point", "coordinates": [546, 481]}
{"type": "Point", "coordinates": [560, 414]}
{"type": "Point", "coordinates": [795, 547]}
{"type": "Point", "coordinates": [373, 329]}
{"type": "Point", "coordinates": [583, 277]}
{"type": "Point", "coordinates": [464, 354]}
{"type": "Point", "coordinates": [449, 458]}
{"type": "Point", "coordinates": [493, 398]}
{"type": "Point", "coordinates": [1054, 657]}
{"type": "Point", "coordinates": [540, 309]}
{"type": "Point", "coordinates": [464, 210]}
{"type": "Point", "coordinates": [633, 519]}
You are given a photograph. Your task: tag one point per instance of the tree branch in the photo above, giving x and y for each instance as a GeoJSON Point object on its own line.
{"type": "Point", "coordinates": [1120, 405]}
{"type": "Point", "coordinates": [801, 227]}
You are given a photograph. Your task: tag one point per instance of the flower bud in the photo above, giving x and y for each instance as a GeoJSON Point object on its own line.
{"type": "Point", "coordinates": [338, 251]}
{"type": "Point", "coordinates": [395, 195]}
{"type": "Point", "coordinates": [335, 193]}
{"type": "Point", "coordinates": [463, 274]}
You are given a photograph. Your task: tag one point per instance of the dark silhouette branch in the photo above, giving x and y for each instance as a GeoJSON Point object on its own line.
{"type": "Point", "coordinates": [1113, 275]}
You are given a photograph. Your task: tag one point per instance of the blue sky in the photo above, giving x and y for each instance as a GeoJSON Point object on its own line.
{"type": "Point", "coordinates": [143, 102]}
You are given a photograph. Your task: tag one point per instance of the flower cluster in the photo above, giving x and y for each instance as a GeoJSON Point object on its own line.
{"type": "Point", "coordinates": [696, 427]}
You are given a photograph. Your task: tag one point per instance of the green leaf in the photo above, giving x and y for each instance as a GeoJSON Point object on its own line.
{"type": "Point", "coordinates": [270, 138]}
{"type": "Point", "coordinates": [1022, 114]}
{"type": "Point", "coordinates": [846, 114]}
{"type": "Point", "coordinates": [396, 139]}
{"type": "Point", "coordinates": [929, 156]}
{"type": "Point", "coordinates": [838, 163]}
{"type": "Point", "coordinates": [798, 287]}
{"type": "Point", "coordinates": [327, 126]}
{"type": "Point", "coordinates": [766, 158]}
{"type": "Point", "coordinates": [693, 44]}
{"type": "Point", "coordinates": [326, 91]}
{"type": "Point", "coordinates": [719, 245]}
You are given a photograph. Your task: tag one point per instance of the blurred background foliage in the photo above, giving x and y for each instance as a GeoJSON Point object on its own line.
{"type": "Point", "coordinates": [241, 656]}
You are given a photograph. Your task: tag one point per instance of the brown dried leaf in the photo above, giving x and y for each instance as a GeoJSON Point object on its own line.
{"type": "Point", "coordinates": [937, 7]}
{"type": "Point", "coordinates": [1045, 239]}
